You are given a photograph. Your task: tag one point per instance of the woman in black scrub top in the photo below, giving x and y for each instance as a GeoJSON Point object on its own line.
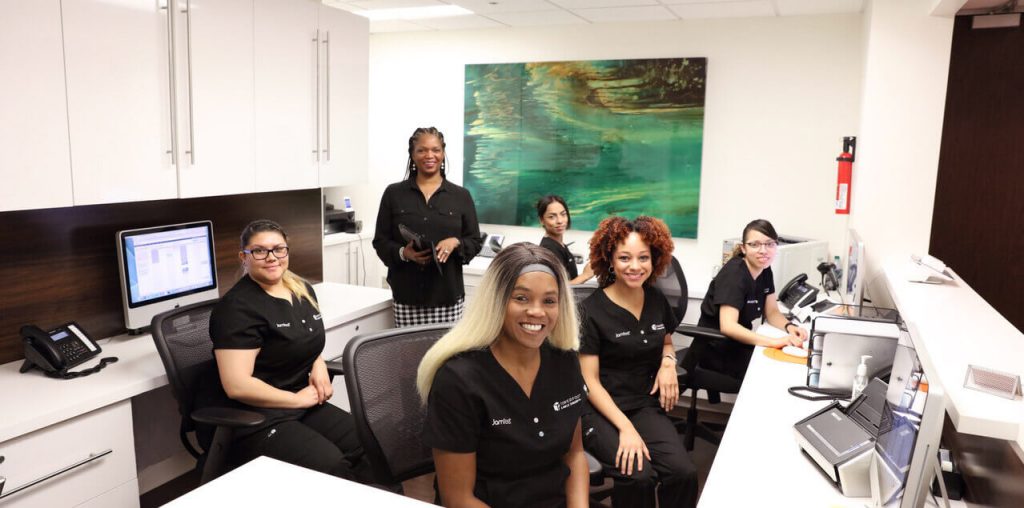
{"type": "Point", "coordinates": [504, 391]}
{"type": "Point", "coordinates": [742, 291]}
{"type": "Point", "coordinates": [267, 338]}
{"type": "Point", "coordinates": [629, 365]}
{"type": "Point", "coordinates": [554, 216]}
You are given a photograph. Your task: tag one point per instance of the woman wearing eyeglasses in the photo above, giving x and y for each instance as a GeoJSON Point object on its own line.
{"type": "Point", "coordinates": [743, 291]}
{"type": "Point", "coordinates": [267, 337]}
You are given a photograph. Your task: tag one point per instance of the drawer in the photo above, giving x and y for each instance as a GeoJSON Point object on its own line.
{"type": "Point", "coordinates": [50, 450]}
{"type": "Point", "coordinates": [338, 336]}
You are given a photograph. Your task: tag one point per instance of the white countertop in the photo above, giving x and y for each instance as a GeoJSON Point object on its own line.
{"type": "Point", "coordinates": [272, 483]}
{"type": "Point", "coordinates": [32, 401]}
{"type": "Point", "coordinates": [339, 238]}
{"type": "Point", "coordinates": [956, 327]}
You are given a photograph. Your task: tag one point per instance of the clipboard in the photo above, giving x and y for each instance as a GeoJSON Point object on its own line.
{"type": "Point", "coordinates": [421, 243]}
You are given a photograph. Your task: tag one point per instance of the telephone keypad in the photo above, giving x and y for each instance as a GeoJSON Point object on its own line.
{"type": "Point", "coordinates": [72, 349]}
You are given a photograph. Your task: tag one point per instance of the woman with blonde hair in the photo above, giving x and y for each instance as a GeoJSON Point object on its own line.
{"type": "Point", "coordinates": [267, 338]}
{"type": "Point", "coordinates": [504, 392]}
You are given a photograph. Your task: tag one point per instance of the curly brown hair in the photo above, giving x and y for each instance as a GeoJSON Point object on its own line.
{"type": "Point", "coordinates": [614, 230]}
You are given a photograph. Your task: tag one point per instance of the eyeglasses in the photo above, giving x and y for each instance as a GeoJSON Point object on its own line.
{"type": "Point", "coordinates": [259, 253]}
{"type": "Point", "coordinates": [758, 245]}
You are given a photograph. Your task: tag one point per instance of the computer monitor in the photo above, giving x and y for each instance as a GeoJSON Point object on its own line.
{"type": "Point", "coordinates": [853, 273]}
{"type": "Point", "coordinates": [907, 443]}
{"type": "Point", "coordinates": [164, 267]}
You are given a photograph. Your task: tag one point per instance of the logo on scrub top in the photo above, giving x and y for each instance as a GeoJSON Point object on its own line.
{"type": "Point", "coordinates": [316, 317]}
{"type": "Point", "coordinates": [658, 326]}
{"type": "Point", "coordinates": [622, 334]}
{"type": "Point", "coordinates": [501, 421]}
{"type": "Point", "coordinates": [567, 403]}
{"type": "Point", "coordinates": [284, 325]}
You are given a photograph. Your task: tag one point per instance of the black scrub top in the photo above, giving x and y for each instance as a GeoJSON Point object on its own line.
{"type": "Point", "coordinates": [289, 335]}
{"type": "Point", "coordinates": [520, 443]}
{"type": "Point", "coordinates": [450, 212]}
{"type": "Point", "coordinates": [735, 287]}
{"type": "Point", "coordinates": [563, 255]}
{"type": "Point", "coordinates": [629, 350]}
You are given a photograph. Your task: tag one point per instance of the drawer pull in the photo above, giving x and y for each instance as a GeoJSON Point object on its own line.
{"type": "Point", "coordinates": [92, 457]}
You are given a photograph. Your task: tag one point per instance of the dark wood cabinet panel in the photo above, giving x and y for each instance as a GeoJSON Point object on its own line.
{"type": "Point", "coordinates": [61, 263]}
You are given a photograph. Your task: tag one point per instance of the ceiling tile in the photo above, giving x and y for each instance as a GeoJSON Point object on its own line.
{"type": "Point", "coordinates": [810, 7]}
{"type": "Point", "coordinates": [491, 6]}
{"type": "Point", "coordinates": [626, 14]}
{"type": "Point", "coordinates": [597, 4]}
{"type": "Point", "coordinates": [745, 9]}
{"type": "Point", "coordinates": [392, 4]}
{"type": "Point", "coordinates": [537, 18]}
{"type": "Point", "coordinates": [379, 27]}
{"type": "Point", "coordinates": [459, 23]}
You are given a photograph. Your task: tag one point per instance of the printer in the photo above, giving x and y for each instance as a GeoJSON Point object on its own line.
{"type": "Point", "coordinates": [341, 221]}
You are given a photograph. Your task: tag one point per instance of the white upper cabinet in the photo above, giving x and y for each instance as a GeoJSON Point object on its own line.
{"type": "Point", "coordinates": [119, 116]}
{"type": "Point", "coordinates": [287, 47]}
{"type": "Point", "coordinates": [214, 78]}
{"type": "Point", "coordinates": [345, 81]}
{"type": "Point", "coordinates": [34, 160]}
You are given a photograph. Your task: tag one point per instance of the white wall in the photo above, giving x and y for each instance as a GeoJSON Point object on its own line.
{"type": "Point", "coordinates": [906, 68]}
{"type": "Point", "coordinates": [781, 93]}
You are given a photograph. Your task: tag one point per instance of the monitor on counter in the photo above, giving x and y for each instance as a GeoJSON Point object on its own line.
{"type": "Point", "coordinates": [907, 443]}
{"type": "Point", "coordinates": [164, 267]}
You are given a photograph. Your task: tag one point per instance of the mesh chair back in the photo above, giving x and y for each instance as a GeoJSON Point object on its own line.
{"type": "Point", "coordinates": [182, 338]}
{"type": "Point", "coordinates": [580, 292]}
{"type": "Point", "coordinates": [380, 378]}
{"type": "Point", "coordinates": [672, 284]}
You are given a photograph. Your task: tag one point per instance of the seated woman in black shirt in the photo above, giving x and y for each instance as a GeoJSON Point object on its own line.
{"type": "Point", "coordinates": [629, 366]}
{"type": "Point", "coordinates": [504, 392]}
{"type": "Point", "coordinates": [267, 338]}
{"type": "Point", "coordinates": [742, 291]}
{"type": "Point", "coordinates": [554, 216]}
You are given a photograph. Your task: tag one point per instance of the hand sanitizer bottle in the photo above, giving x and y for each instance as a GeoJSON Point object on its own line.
{"type": "Point", "coordinates": [860, 381]}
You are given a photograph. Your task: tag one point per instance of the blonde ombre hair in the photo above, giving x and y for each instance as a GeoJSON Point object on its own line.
{"type": "Point", "coordinates": [485, 314]}
{"type": "Point", "coordinates": [293, 283]}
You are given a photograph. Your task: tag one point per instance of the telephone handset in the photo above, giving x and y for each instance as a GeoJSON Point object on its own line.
{"type": "Point", "coordinates": [797, 293]}
{"type": "Point", "coordinates": [60, 349]}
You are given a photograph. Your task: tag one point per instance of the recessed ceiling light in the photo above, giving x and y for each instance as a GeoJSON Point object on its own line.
{"type": "Point", "coordinates": [409, 13]}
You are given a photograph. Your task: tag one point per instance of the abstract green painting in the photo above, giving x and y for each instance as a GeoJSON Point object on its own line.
{"type": "Point", "coordinates": [613, 137]}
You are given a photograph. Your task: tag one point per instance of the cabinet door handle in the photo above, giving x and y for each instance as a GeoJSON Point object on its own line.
{"type": "Point", "coordinates": [41, 479]}
{"type": "Point", "coordinates": [316, 85]}
{"type": "Point", "coordinates": [191, 117]}
{"type": "Point", "coordinates": [327, 92]}
{"type": "Point", "coordinates": [171, 79]}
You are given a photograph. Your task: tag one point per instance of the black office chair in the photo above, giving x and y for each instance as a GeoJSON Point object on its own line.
{"type": "Point", "coordinates": [182, 338]}
{"type": "Point", "coordinates": [691, 376]}
{"type": "Point", "coordinates": [380, 378]}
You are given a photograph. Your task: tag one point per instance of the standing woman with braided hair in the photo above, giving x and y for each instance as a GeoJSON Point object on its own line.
{"type": "Point", "coordinates": [443, 213]}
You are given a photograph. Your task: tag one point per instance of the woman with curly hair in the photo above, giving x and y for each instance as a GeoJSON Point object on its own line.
{"type": "Point", "coordinates": [629, 365]}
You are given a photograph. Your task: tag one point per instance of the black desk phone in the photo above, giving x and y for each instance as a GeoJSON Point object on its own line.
{"type": "Point", "coordinates": [60, 349]}
{"type": "Point", "coordinates": [797, 293]}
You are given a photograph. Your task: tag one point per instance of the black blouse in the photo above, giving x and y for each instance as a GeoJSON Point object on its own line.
{"type": "Point", "coordinates": [520, 442]}
{"type": "Point", "coordinates": [449, 213]}
{"type": "Point", "coordinates": [629, 350]}
{"type": "Point", "coordinates": [563, 255]}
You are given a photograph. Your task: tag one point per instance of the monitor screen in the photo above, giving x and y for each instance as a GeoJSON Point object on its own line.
{"type": "Point", "coordinates": [912, 421]}
{"type": "Point", "coordinates": [854, 271]}
{"type": "Point", "coordinates": [165, 264]}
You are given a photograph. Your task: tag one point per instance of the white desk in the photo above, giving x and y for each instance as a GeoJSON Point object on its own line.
{"type": "Point", "coordinates": [956, 327]}
{"type": "Point", "coordinates": [759, 462]}
{"type": "Point", "coordinates": [38, 411]}
{"type": "Point", "coordinates": [272, 483]}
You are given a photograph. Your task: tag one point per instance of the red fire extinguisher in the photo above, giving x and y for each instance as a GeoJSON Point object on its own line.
{"type": "Point", "coordinates": [845, 175]}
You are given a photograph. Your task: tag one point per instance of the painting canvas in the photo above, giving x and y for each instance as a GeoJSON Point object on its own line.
{"type": "Point", "coordinates": [613, 137]}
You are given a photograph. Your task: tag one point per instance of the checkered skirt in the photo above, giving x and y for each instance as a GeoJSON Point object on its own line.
{"type": "Point", "coordinates": [412, 315]}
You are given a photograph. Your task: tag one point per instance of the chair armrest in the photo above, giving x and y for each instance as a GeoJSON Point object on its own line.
{"type": "Point", "coordinates": [700, 332]}
{"type": "Point", "coordinates": [227, 417]}
{"type": "Point", "coordinates": [334, 368]}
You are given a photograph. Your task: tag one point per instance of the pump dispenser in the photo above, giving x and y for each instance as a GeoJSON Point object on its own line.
{"type": "Point", "coordinates": [860, 381]}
